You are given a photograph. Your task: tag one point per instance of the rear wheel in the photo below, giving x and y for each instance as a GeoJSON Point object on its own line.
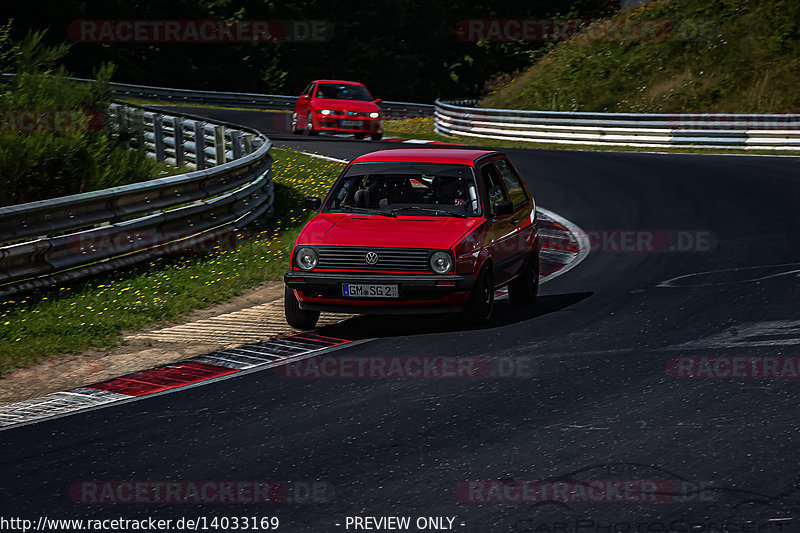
{"type": "Point", "coordinates": [525, 288]}
{"type": "Point", "coordinates": [376, 136]}
{"type": "Point", "coordinates": [359, 136]}
{"type": "Point", "coordinates": [480, 306]}
{"type": "Point", "coordinates": [295, 129]}
{"type": "Point", "coordinates": [296, 317]}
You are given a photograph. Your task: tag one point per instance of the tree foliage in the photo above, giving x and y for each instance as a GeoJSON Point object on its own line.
{"type": "Point", "coordinates": [402, 49]}
{"type": "Point", "coordinates": [40, 158]}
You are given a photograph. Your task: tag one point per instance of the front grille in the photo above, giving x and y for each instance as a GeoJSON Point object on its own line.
{"type": "Point", "coordinates": [355, 258]}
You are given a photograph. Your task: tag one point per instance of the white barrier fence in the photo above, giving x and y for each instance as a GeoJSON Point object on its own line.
{"type": "Point", "coordinates": [712, 130]}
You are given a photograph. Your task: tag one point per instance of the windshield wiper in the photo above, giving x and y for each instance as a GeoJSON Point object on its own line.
{"type": "Point", "coordinates": [368, 211]}
{"type": "Point", "coordinates": [429, 210]}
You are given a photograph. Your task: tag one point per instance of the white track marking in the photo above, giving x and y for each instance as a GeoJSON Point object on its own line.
{"type": "Point", "coordinates": [324, 157]}
{"type": "Point", "coordinates": [580, 236]}
{"type": "Point", "coordinates": [752, 334]}
{"type": "Point", "coordinates": [793, 268]}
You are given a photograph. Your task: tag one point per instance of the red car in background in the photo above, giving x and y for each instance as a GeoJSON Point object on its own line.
{"type": "Point", "coordinates": [416, 231]}
{"type": "Point", "coordinates": [337, 106]}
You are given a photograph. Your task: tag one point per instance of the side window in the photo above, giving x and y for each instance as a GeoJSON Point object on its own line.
{"type": "Point", "coordinates": [494, 185]}
{"type": "Point", "coordinates": [308, 89]}
{"type": "Point", "coordinates": [512, 182]}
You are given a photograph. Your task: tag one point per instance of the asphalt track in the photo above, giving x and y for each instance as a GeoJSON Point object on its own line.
{"type": "Point", "coordinates": [594, 402]}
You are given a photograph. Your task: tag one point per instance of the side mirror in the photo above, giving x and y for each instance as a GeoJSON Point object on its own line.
{"type": "Point", "coordinates": [305, 97]}
{"type": "Point", "coordinates": [314, 202]}
{"type": "Point", "coordinates": [378, 101]}
{"type": "Point", "coordinates": [503, 208]}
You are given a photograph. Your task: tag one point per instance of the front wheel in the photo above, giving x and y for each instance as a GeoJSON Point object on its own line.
{"type": "Point", "coordinates": [310, 125]}
{"type": "Point", "coordinates": [480, 305]}
{"type": "Point", "coordinates": [296, 317]}
{"type": "Point", "coordinates": [525, 288]}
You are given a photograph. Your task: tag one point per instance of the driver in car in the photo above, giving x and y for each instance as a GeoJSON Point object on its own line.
{"type": "Point", "coordinates": [448, 191]}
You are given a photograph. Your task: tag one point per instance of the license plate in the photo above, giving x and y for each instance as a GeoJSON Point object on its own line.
{"type": "Point", "coordinates": [369, 290]}
{"type": "Point", "coordinates": [351, 123]}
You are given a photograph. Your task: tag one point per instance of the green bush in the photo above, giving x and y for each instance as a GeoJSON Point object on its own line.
{"type": "Point", "coordinates": [48, 162]}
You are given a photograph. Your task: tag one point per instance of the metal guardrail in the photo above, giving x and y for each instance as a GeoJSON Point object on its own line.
{"type": "Point", "coordinates": [249, 100]}
{"type": "Point", "coordinates": [50, 241]}
{"type": "Point", "coordinates": [713, 130]}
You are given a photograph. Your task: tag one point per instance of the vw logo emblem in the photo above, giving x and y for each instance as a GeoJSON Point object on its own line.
{"type": "Point", "coordinates": [371, 258]}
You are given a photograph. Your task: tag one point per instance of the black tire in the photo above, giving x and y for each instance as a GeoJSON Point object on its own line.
{"type": "Point", "coordinates": [310, 125]}
{"type": "Point", "coordinates": [376, 136]}
{"type": "Point", "coordinates": [480, 305]}
{"type": "Point", "coordinates": [525, 288]}
{"type": "Point", "coordinates": [359, 136]}
{"type": "Point", "coordinates": [296, 317]}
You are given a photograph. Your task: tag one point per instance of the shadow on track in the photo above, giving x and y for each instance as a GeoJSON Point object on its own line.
{"type": "Point", "coordinates": [505, 314]}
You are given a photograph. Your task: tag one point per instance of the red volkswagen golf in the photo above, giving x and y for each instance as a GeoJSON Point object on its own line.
{"type": "Point", "coordinates": [337, 106]}
{"type": "Point", "coordinates": [416, 231]}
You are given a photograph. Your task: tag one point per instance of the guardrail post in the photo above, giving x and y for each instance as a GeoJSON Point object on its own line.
{"type": "Point", "coordinates": [219, 144]}
{"type": "Point", "coordinates": [158, 136]}
{"type": "Point", "coordinates": [236, 143]}
{"type": "Point", "coordinates": [248, 143]}
{"type": "Point", "coordinates": [115, 118]}
{"type": "Point", "coordinates": [122, 120]}
{"type": "Point", "coordinates": [180, 157]}
{"type": "Point", "coordinates": [200, 145]}
{"type": "Point", "coordinates": [137, 123]}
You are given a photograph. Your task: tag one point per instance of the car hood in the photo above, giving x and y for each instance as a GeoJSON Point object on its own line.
{"type": "Point", "coordinates": [329, 229]}
{"type": "Point", "coordinates": [346, 105]}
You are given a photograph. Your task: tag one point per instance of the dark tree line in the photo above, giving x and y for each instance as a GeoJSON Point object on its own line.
{"type": "Point", "coordinates": [402, 49]}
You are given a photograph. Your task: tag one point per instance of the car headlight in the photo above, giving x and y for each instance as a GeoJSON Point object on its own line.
{"type": "Point", "coordinates": [325, 111]}
{"type": "Point", "coordinates": [374, 115]}
{"type": "Point", "coordinates": [441, 262]}
{"type": "Point", "coordinates": [306, 259]}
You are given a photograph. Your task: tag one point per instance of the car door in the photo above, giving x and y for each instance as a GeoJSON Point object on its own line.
{"type": "Point", "coordinates": [524, 230]}
{"type": "Point", "coordinates": [302, 106]}
{"type": "Point", "coordinates": [501, 227]}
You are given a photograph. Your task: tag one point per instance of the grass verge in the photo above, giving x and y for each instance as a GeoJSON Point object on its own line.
{"type": "Point", "coordinates": [72, 318]}
{"type": "Point", "coordinates": [669, 56]}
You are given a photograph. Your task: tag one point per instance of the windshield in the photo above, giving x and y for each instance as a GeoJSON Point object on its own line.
{"type": "Point", "coordinates": [426, 189]}
{"type": "Point", "coordinates": [343, 91]}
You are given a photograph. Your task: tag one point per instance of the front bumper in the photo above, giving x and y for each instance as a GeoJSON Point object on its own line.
{"type": "Point", "coordinates": [418, 293]}
{"type": "Point", "coordinates": [333, 124]}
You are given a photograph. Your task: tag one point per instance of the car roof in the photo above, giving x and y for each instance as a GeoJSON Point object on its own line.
{"type": "Point", "coordinates": [424, 155]}
{"type": "Point", "coordinates": [338, 81]}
